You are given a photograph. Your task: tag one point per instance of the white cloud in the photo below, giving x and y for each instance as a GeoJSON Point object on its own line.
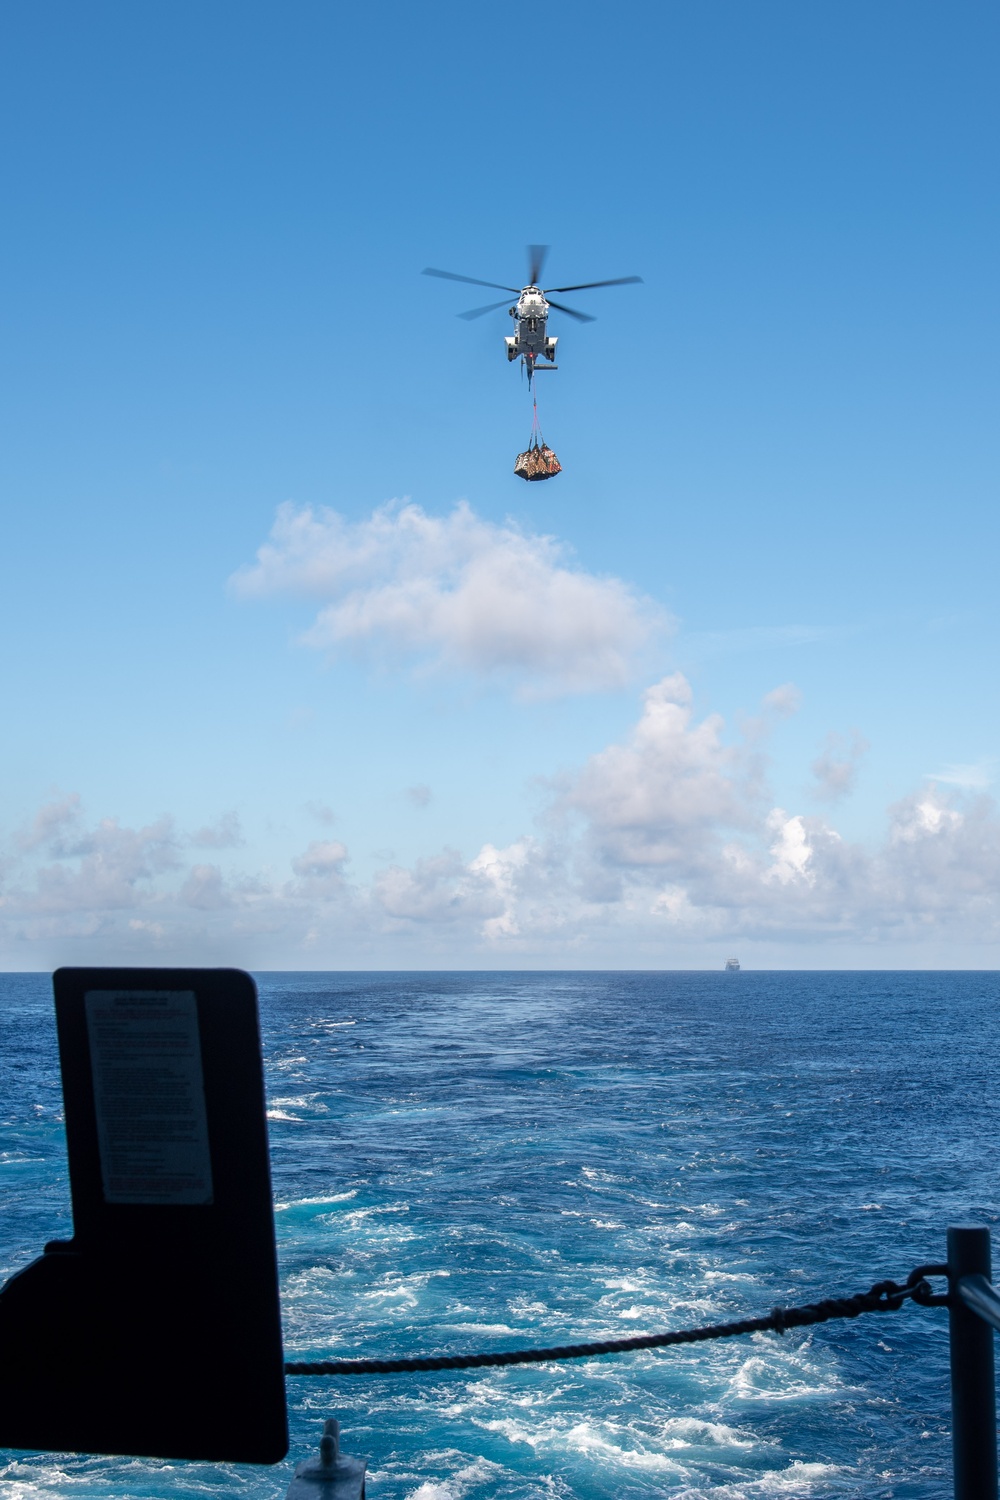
{"type": "Point", "coordinates": [320, 870]}
{"type": "Point", "coordinates": [67, 880]}
{"type": "Point", "coordinates": [836, 768]}
{"type": "Point", "coordinates": [205, 889]}
{"type": "Point", "coordinates": [918, 818]}
{"type": "Point", "coordinates": [50, 821]}
{"type": "Point", "coordinates": [666, 794]}
{"type": "Point", "coordinates": [224, 833]}
{"type": "Point", "coordinates": [784, 700]}
{"type": "Point", "coordinates": [791, 850]}
{"type": "Point", "coordinates": [976, 774]}
{"type": "Point", "coordinates": [667, 837]}
{"type": "Point", "coordinates": [454, 592]}
{"type": "Point", "coordinates": [500, 869]}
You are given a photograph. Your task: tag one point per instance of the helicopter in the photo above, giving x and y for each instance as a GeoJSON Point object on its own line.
{"type": "Point", "coordinates": [530, 339]}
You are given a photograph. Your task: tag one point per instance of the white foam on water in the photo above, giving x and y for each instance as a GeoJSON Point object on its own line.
{"type": "Point", "coordinates": [695, 1432]}
{"type": "Point", "coordinates": [457, 1484]}
{"type": "Point", "coordinates": [797, 1479]}
{"type": "Point", "coordinates": [775, 1373]}
{"type": "Point", "coordinates": [395, 1287]}
{"type": "Point", "coordinates": [316, 1282]}
{"type": "Point", "coordinates": [487, 1390]}
{"type": "Point", "coordinates": [601, 1440]}
{"type": "Point", "coordinates": [357, 1216]}
{"type": "Point", "coordinates": [52, 1478]}
{"type": "Point", "coordinates": [21, 1480]}
{"type": "Point", "coordinates": [498, 1328]}
{"type": "Point", "coordinates": [323, 1200]}
{"type": "Point", "coordinates": [523, 1307]}
{"type": "Point", "coordinates": [634, 1312]}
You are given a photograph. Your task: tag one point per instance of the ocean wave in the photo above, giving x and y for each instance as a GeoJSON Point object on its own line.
{"type": "Point", "coordinates": [798, 1478]}
{"type": "Point", "coordinates": [323, 1199]}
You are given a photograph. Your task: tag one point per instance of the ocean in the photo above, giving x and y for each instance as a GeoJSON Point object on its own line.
{"type": "Point", "coordinates": [482, 1161]}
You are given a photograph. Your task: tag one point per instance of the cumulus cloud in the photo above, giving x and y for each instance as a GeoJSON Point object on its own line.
{"type": "Point", "coordinates": [74, 879]}
{"type": "Point", "coordinates": [454, 593]}
{"type": "Point", "coordinates": [670, 791]}
{"type": "Point", "coordinates": [836, 768]}
{"type": "Point", "coordinates": [205, 889]}
{"type": "Point", "coordinates": [439, 890]}
{"type": "Point", "coordinates": [224, 833]}
{"type": "Point", "coordinates": [668, 836]}
{"type": "Point", "coordinates": [50, 822]}
{"type": "Point", "coordinates": [320, 869]}
{"type": "Point", "coordinates": [783, 700]}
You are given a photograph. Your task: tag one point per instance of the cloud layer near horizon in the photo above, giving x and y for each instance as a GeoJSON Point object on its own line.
{"type": "Point", "coordinates": [665, 838]}
{"type": "Point", "coordinates": [454, 592]}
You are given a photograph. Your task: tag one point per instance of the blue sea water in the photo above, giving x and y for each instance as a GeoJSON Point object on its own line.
{"type": "Point", "coordinates": [474, 1161]}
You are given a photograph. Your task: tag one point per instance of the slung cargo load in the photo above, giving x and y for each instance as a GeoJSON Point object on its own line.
{"type": "Point", "coordinates": [537, 462]}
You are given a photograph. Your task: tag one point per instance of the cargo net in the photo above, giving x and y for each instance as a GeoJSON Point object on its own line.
{"type": "Point", "coordinates": [537, 461]}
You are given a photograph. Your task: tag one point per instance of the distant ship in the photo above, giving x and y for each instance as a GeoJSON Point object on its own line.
{"type": "Point", "coordinates": [732, 965]}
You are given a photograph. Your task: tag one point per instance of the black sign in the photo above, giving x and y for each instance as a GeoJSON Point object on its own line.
{"type": "Point", "coordinates": [156, 1329]}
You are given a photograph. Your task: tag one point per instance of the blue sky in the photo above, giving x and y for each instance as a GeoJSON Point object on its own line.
{"type": "Point", "coordinates": [416, 735]}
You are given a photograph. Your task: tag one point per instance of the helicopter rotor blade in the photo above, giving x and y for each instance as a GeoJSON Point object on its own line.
{"type": "Point", "coordinates": [477, 312]}
{"type": "Point", "coordinates": [571, 311]}
{"type": "Point", "coordinates": [472, 280]}
{"type": "Point", "coordinates": [536, 261]}
{"type": "Point", "coordinates": [586, 285]}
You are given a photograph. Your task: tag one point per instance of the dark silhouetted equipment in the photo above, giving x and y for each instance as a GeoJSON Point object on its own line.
{"type": "Point", "coordinates": [332, 1476]}
{"type": "Point", "coordinates": [156, 1329]}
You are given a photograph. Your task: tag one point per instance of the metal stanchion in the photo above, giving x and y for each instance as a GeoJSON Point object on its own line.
{"type": "Point", "coordinates": [973, 1392]}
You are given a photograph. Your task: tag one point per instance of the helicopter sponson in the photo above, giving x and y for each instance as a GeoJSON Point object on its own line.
{"type": "Point", "coordinates": [530, 340]}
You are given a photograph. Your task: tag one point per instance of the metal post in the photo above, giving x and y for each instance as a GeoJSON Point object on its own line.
{"type": "Point", "coordinates": [333, 1476]}
{"type": "Point", "coordinates": [973, 1392]}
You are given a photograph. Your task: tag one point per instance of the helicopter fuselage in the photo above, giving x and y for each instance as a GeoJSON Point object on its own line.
{"type": "Point", "coordinates": [530, 340]}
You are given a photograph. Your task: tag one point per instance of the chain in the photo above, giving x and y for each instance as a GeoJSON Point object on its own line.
{"type": "Point", "coordinates": [884, 1296]}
